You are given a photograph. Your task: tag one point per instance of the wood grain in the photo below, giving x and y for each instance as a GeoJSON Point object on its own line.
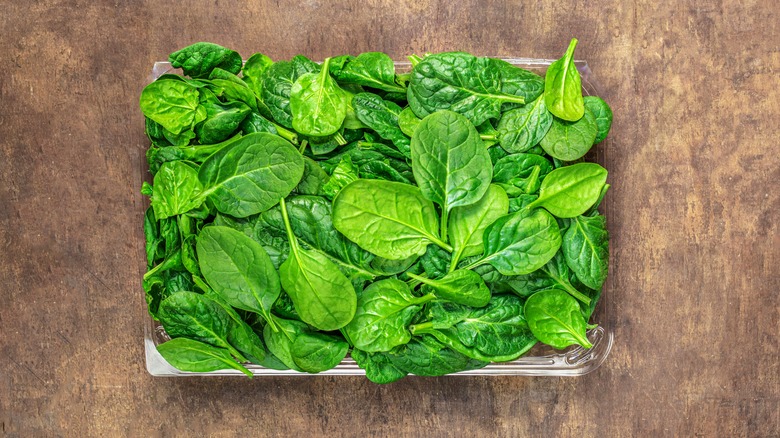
{"type": "Point", "coordinates": [693, 161]}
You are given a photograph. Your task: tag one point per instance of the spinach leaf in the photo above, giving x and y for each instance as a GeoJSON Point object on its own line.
{"type": "Point", "coordinates": [461, 286]}
{"type": "Point", "coordinates": [370, 69]}
{"type": "Point", "coordinates": [238, 269]}
{"type": "Point", "coordinates": [175, 105]}
{"type": "Point", "coordinates": [569, 141]}
{"type": "Point", "coordinates": [253, 70]}
{"type": "Point", "coordinates": [317, 352]}
{"type": "Point", "coordinates": [381, 116]}
{"type": "Point", "coordinates": [385, 309]}
{"type": "Point", "coordinates": [521, 242]}
{"type": "Point", "coordinates": [518, 81]}
{"type": "Point", "coordinates": [378, 367]}
{"type": "Point", "coordinates": [322, 295]}
{"type": "Point", "coordinates": [450, 163]}
{"type": "Point", "coordinates": [495, 333]}
{"type": "Point", "coordinates": [222, 119]}
{"type": "Point", "coordinates": [317, 104]}
{"type": "Point", "coordinates": [458, 82]}
{"type": "Point", "coordinates": [554, 318]}
{"type": "Point", "coordinates": [313, 179]}
{"type": "Point", "coordinates": [586, 249]}
{"type": "Point", "coordinates": [277, 83]}
{"type": "Point", "coordinates": [280, 342]}
{"type": "Point", "coordinates": [603, 114]}
{"type": "Point", "coordinates": [435, 261]}
{"type": "Point", "coordinates": [240, 335]}
{"type": "Point", "coordinates": [176, 190]}
{"type": "Point", "coordinates": [389, 219]}
{"type": "Point", "coordinates": [524, 172]}
{"type": "Point", "coordinates": [189, 355]}
{"type": "Point", "coordinates": [522, 128]}
{"type": "Point", "coordinates": [197, 60]}
{"type": "Point", "coordinates": [344, 173]}
{"type": "Point", "coordinates": [191, 315]}
{"type": "Point", "coordinates": [408, 121]}
{"type": "Point", "coordinates": [571, 190]}
{"type": "Point", "coordinates": [250, 175]}
{"type": "Point", "coordinates": [468, 223]}
{"type": "Point", "coordinates": [425, 356]}
{"type": "Point", "coordinates": [563, 87]}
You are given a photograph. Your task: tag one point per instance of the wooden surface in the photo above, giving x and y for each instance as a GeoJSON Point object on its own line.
{"type": "Point", "coordinates": [694, 165]}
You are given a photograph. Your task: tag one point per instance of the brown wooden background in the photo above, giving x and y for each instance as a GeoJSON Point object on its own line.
{"type": "Point", "coordinates": [694, 165]}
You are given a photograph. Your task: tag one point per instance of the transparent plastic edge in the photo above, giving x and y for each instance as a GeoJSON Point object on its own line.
{"type": "Point", "coordinates": [574, 362]}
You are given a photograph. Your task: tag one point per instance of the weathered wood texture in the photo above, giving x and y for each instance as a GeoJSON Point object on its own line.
{"type": "Point", "coordinates": [693, 214]}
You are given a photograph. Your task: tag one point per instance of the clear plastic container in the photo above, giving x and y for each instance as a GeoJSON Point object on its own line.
{"type": "Point", "coordinates": [540, 361]}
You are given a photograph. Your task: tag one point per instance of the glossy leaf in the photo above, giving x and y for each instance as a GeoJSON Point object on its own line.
{"type": "Point", "coordinates": [190, 355]}
{"type": "Point", "coordinates": [277, 84]}
{"type": "Point", "coordinates": [425, 356]}
{"type": "Point", "coordinates": [280, 342]}
{"type": "Point", "coordinates": [563, 87]}
{"type": "Point", "coordinates": [571, 190]}
{"type": "Point", "coordinates": [521, 242]}
{"type": "Point", "coordinates": [175, 105]}
{"type": "Point", "coordinates": [603, 114]}
{"type": "Point", "coordinates": [381, 116]}
{"type": "Point", "coordinates": [522, 128]}
{"type": "Point", "coordinates": [569, 141]}
{"type": "Point", "coordinates": [197, 60]}
{"type": "Point", "coordinates": [523, 172]}
{"type": "Point", "coordinates": [408, 121]}
{"type": "Point", "coordinates": [317, 352]}
{"type": "Point", "coordinates": [462, 286]}
{"type": "Point", "coordinates": [378, 367]}
{"type": "Point", "coordinates": [176, 190]}
{"type": "Point", "coordinates": [586, 248]}
{"type": "Point", "coordinates": [370, 69]}
{"type": "Point", "coordinates": [317, 104]}
{"type": "Point", "coordinates": [554, 318]}
{"type": "Point", "coordinates": [467, 224]}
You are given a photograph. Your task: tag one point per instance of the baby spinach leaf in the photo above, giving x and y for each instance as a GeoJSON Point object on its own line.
{"type": "Point", "coordinates": [176, 190]}
{"type": "Point", "coordinates": [381, 116]}
{"type": "Point", "coordinates": [522, 128]}
{"type": "Point", "coordinates": [458, 82]}
{"type": "Point", "coordinates": [603, 114]}
{"type": "Point", "coordinates": [313, 179]}
{"type": "Point", "coordinates": [435, 261]}
{"type": "Point", "coordinates": [238, 269]}
{"type": "Point", "coordinates": [495, 333]}
{"type": "Point", "coordinates": [317, 352]}
{"type": "Point", "coordinates": [468, 223]}
{"type": "Point", "coordinates": [253, 70]}
{"type": "Point", "coordinates": [189, 355]}
{"type": "Point", "coordinates": [518, 81]}
{"type": "Point", "coordinates": [462, 286]}
{"type": "Point", "coordinates": [197, 60]}
{"type": "Point", "coordinates": [280, 342]}
{"type": "Point", "coordinates": [408, 121]}
{"type": "Point", "coordinates": [521, 242]}
{"type": "Point", "coordinates": [569, 141]}
{"type": "Point", "coordinates": [450, 163]}
{"type": "Point", "coordinates": [191, 315]}
{"type": "Point", "coordinates": [322, 295]}
{"type": "Point", "coordinates": [240, 335]}
{"type": "Point", "coordinates": [385, 309]}
{"type": "Point", "coordinates": [378, 367]}
{"type": "Point", "coordinates": [522, 171]}
{"type": "Point", "coordinates": [222, 119]}
{"type": "Point", "coordinates": [344, 173]}
{"type": "Point", "coordinates": [317, 104]}
{"type": "Point", "coordinates": [370, 69]}
{"type": "Point", "coordinates": [570, 191]}
{"type": "Point", "coordinates": [586, 248]}
{"type": "Point", "coordinates": [554, 318]}
{"type": "Point", "coordinates": [563, 87]}
{"type": "Point", "coordinates": [553, 275]}
{"type": "Point", "coordinates": [392, 220]}
{"type": "Point", "coordinates": [425, 356]}
{"type": "Point", "coordinates": [277, 83]}
{"type": "Point", "coordinates": [175, 105]}
{"type": "Point", "coordinates": [250, 175]}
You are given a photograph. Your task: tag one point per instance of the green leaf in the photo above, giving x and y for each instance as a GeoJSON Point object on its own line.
{"type": "Point", "coordinates": [519, 82]}
{"type": "Point", "coordinates": [586, 248]}
{"type": "Point", "coordinates": [570, 191]}
{"type": "Point", "coordinates": [344, 173]}
{"type": "Point", "coordinates": [522, 128]}
{"type": "Point", "coordinates": [175, 105]}
{"type": "Point", "coordinates": [523, 172]}
{"type": "Point", "coordinates": [378, 367]}
{"type": "Point", "coordinates": [467, 224]}
{"type": "Point", "coordinates": [458, 82]}
{"type": "Point", "coordinates": [450, 163]}
{"type": "Point", "coordinates": [461, 286]}
{"type": "Point", "coordinates": [554, 318]}
{"type": "Point", "coordinates": [277, 83]}
{"type": "Point", "coordinates": [280, 342]}
{"type": "Point", "coordinates": [408, 121]}
{"type": "Point", "coordinates": [313, 179]}
{"type": "Point", "coordinates": [238, 269]}
{"type": "Point", "coordinates": [197, 60]}
{"type": "Point", "coordinates": [384, 311]}
{"type": "Point", "coordinates": [176, 190]}
{"type": "Point", "coordinates": [317, 104]}
{"type": "Point", "coordinates": [425, 356]}
{"type": "Point", "coordinates": [381, 116]}
{"type": "Point", "coordinates": [317, 352]}
{"type": "Point", "coordinates": [521, 242]}
{"type": "Point", "coordinates": [563, 87]}
{"type": "Point", "coordinates": [370, 69]}
{"type": "Point", "coordinates": [250, 175]}
{"type": "Point", "coordinates": [222, 119]}
{"type": "Point", "coordinates": [391, 220]}
{"type": "Point", "coordinates": [323, 296]}
{"type": "Point", "coordinates": [603, 114]}
{"type": "Point", "coordinates": [569, 141]}
{"type": "Point", "coordinates": [189, 355]}
{"type": "Point", "coordinates": [253, 70]}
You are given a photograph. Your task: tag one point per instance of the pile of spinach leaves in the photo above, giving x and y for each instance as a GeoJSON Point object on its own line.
{"type": "Point", "coordinates": [426, 223]}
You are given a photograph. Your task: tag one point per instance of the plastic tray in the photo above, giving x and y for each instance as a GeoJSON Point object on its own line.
{"type": "Point", "coordinates": [540, 361]}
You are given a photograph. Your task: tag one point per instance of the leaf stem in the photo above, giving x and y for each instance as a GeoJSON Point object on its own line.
{"type": "Point", "coordinates": [285, 134]}
{"type": "Point", "coordinates": [444, 216]}
{"type": "Point", "coordinates": [532, 179]}
{"type": "Point", "coordinates": [339, 139]}
{"type": "Point", "coordinates": [302, 149]}
{"type": "Point", "coordinates": [421, 328]}
{"type": "Point", "coordinates": [488, 136]}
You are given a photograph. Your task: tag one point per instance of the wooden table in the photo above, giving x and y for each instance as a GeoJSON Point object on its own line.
{"type": "Point", "coordinates": [693, 215]}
